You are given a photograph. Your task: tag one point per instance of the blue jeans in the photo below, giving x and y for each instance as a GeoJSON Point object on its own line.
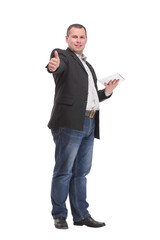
{"type": "Point", "coordinates": [73, 159]}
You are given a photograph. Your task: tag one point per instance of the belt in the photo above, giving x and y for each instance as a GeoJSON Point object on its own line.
{"type": "Point", "coordinates": [90, 114]}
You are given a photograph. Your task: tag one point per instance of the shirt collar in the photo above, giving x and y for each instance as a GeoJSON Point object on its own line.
{"type": "Point", "coordinates": [83, 57]}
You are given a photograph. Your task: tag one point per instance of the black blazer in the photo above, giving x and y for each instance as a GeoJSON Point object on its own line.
{"type": "Point", "coordinates": [71, 92]}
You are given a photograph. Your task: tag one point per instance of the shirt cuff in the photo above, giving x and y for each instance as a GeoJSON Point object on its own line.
{"type": "Point", "coordinates": [107, 94]}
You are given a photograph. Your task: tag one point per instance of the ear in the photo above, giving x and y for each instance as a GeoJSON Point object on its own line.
{"type": "Point", "coordinates": [66, 39]}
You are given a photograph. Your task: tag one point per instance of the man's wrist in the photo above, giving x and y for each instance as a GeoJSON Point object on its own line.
{"type": "Point", "coordinates": [107, 94]}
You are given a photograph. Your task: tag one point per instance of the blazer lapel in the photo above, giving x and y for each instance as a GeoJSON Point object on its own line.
{"type": "Point", "coordinates": [76, 58]}
{"type": "Point", "coordinates": [93, 74]}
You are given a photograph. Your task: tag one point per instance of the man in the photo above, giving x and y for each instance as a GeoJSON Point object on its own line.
{"type": "Point", "coordinates": [74, 123]}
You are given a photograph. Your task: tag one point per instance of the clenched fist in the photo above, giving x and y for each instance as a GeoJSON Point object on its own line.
{"type": "Point", "coordinates": [54, 62]}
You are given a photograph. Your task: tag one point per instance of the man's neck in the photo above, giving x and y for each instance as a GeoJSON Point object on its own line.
{"type": "Point", "coordinates": [79, 53]}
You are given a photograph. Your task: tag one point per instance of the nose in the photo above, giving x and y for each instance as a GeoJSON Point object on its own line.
{"type": "Point", "coordinates": [78, 40]}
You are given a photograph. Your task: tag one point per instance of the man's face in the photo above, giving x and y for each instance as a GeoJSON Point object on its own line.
{"type": "Point", "coordinates": [77, 40]}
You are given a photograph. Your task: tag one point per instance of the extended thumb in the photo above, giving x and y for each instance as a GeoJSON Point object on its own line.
{"type": "Point", "coordinates": [56, 54]}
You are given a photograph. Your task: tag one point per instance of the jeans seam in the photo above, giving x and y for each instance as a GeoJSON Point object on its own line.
{"type": "Point", "coordinates": [75, 189]}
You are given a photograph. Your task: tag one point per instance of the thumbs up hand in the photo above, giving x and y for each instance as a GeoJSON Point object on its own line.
{"type": "Point", "coordinates": [54, 62]}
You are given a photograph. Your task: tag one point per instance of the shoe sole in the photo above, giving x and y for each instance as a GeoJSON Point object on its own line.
{"type": "Point", "coordinates": [61, 227]}
{"type": "Point", "coordinates": [88, 225]}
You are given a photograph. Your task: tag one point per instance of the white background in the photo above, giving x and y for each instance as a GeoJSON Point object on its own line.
{"type": "Point", "coordinates": [123, 186]}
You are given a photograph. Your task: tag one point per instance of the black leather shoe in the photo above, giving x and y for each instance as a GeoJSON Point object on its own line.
{"type": "Point", "coordinates": [60, 223]}
{"type": "Point", "coordinates": [89, 222]}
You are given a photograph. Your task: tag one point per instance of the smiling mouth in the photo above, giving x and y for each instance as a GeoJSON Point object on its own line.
{"type": "Point", "coordinates": [78, 46]}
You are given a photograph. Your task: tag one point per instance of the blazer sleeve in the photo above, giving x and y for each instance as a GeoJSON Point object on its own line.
{"type": "Point", "coordinates": [102, 96]}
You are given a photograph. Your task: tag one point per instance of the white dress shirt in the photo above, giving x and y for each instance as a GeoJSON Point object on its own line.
{"type": "Point", "coordinates": [93, 100]}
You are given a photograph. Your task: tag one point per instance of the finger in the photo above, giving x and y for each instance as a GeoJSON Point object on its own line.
{"type": "Point", "coordinates": [115, 85]}
{"type": "Point", "coordinates": [110, 82]}
{"type": "Point", "coordinates": [53, 61]}
{"type": "Point", "coordinates": [114, 81]}
{"type": "Point", "coordinates": [52, 65]}
{"type": "Point", "coordinates": [56, 55]}
{"type": "Point", "coordinates": [52, 69]}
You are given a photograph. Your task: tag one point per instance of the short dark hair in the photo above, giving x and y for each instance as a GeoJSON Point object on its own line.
{"type": "Point", "coordinates": [76, 25]}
